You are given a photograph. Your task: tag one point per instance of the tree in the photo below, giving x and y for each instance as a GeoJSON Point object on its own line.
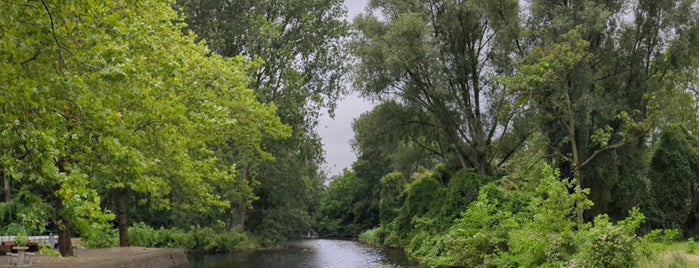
{"type": "Point", "coordinates": [100, 97]}
{"type": "Point", "coordinates": [339, 214]}
{"type": "Point", "coordinates": [301, 47]}
{"type": "Point", "coordinates": [394, 137]}
{"type": "Point", "coordinates": [441, 58]}
{"type": "Point", "coordinates": [550, 84]}
{"type": "Point", "coordinates": [600, 106]}
{"type": "Point", "coordinates": [674, 175]}
{"type": "Point", "coordinates": [387, 139]}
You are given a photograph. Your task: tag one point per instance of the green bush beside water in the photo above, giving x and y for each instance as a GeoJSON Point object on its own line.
{"type": "Point", "coordinates": [196, 240]}
{"type": "Point", "coordinates": [506, 224]}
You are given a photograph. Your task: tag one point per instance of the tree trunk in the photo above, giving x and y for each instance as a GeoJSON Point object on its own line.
{"type": "Point", "coordinates": [576, 159]}
{"type": "Point", "coordinates": [483, 164]}
{"type": "Point", "coordinates": [6, 188]}
{"type": "Point", "coordinates": [241, 212]}
{"type": "Point", "coordinates": [65, 225]}
{"type": "Point", "coordinates": [122, 197]}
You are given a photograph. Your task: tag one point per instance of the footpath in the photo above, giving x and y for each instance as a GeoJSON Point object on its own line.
{"type": "Point", "coordinates": [131, 257]}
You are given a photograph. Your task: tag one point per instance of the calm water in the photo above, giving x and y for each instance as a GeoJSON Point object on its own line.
{"type": "Point", "coordinates": [308, 254]}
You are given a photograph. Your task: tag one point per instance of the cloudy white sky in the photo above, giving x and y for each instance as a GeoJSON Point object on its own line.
{"type": "Point", "coordinates": [337, 132]}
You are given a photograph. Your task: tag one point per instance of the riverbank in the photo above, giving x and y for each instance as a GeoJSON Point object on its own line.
{"type": "Point", "coordinates": [132, 257]}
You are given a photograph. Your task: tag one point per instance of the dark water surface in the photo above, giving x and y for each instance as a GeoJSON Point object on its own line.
{"type": "Point", "coordinates": [314, 253]}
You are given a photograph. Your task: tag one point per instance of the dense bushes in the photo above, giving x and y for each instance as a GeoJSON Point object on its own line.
{"type": "Point", "coordinates": [198, 240]}
{"type": "Point", "coordinates": [506, 227]}
{"type": "Point", "coordinates": [674, 200]}
{"type": "Point", "coordinates": [341, 211]}
{"type": "Point", "coordinates": [392, 185]}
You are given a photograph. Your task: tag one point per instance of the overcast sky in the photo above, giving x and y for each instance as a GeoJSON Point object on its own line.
{"type": "Point", "coordinates": [337, 133]}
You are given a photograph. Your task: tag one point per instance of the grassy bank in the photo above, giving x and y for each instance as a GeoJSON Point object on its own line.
{"type": "Point", "coordinates": [677, 254]}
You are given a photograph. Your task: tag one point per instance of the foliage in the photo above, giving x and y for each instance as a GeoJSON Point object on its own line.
{"type": "Point", "coordinates": [674, 172]}
{"type": "Point", "coordinates": [371, 236]}
{"type": "Point", "coordinates": [338, 210]}
{"type": "Point", "coordinates": [11, 229]}
{"type": "Point", "coordinates": [208, 240]}
{"type": "Point", "coordinates": [509, 89]}
{"type": "Point", "coordinates": [21, 239]}
{"type": "Point", "coordinates": [280, 224]}
{"type": "Point", "coordinates": [482, 230]}
{"type": "Point", "coordinates": [428, 246]}
{"type": "Point", "coordinates": [529, 226]}
{"type": "Point", "coordinates": [609, 245]}
{"type": "Point", "coordinates": [691, 246]}
{"type": "Point", "coordinates": [298, 50]}
{"type": "Point", "coordinates": [196, 240]}
{"type": "Point", "coordinates": [104, 239]}
{"type": "Point", "coordinates": [101, 101]}
{"type": "Point", "coordinates": [665, 236]}
{"type": "Point", "coordinates": [392, 186]}
{"type": "Point", "coordinates": [48, 251]}
{"type": "Point", "coordinates": [420, 195]}
{"type": "Point", "coordinates": [437, 60]}
{"type": "Point", "coordinates": [595, 90]}
{"type": "Point", "coordinates": [26, 211]}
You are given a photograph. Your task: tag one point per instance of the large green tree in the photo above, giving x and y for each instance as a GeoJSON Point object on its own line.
{"type": "Point", "coordinates": [113, 98]}
{"type": "Point", "coordinates": [594, 90]}
{"type": "Point", "coordinates": [301, 47]}
{"type": "Point", "coordinates": [441, 59]}
{"type": "Point", "coordinates": [387, 139]}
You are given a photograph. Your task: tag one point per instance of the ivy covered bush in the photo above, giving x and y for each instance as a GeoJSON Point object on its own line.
{"type": "Point", "coordinates": [509, 227]}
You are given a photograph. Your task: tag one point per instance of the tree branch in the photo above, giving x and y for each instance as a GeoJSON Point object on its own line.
{"type": "Point", "coordinates": [597, 152]}
{"type": "Point", "coordinates": [61, 62]}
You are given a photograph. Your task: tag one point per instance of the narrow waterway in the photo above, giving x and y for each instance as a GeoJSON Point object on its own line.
{"type": "Point", "coordinates": [307, 254]}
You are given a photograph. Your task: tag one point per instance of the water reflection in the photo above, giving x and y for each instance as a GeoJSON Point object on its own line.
{"type": "Point", "coordinates": [308, 254]}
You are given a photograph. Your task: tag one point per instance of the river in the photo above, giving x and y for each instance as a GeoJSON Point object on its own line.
{"type": "Point", "coordinates": [312, 253]}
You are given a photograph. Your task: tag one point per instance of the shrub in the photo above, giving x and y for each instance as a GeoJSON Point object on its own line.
{"type": "Point", "coordinates": [199, 240]}
{"type": "Point", "coordinates": [21, 239]}
{"type": "Point", "coordinates": [463, 189]}
{"type": "Point", "coordinates": [392, 186]}
{"type": "Point", "coordinates": [691, 246]}
{"type": "Point", "coordinates": [608, 245]}
{"type": "Point", "coordinates": [372, 236]}
{"type": "Point", "coordinates": [529, 226]}
{"type": "Point", "coordinates": [481, 232]}
{"type": "Point", "coordinates": [429, 249]}
{"type": "Point", "coordinates": [666, 236]}
{"type": "Point", "coordinates": [674, 171]}
{"type": "Point", "coordinates": [101, 238]}
{"type": "Point", "coordinates": [544, 236]}
{"type": "Point", "coordinates": [48, 251]}
{"type": "Point", "coordinates": [420, 196]}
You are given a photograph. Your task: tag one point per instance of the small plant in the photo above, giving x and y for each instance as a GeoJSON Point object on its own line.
{"type": "Point", "coordinates": [691, 245]}
{"type": "Point", "coordinates": [48, 251]}
{"type": "Point", "coordinates": [21, 239]}
{"type": "Point", "coordinates": [666, 236]}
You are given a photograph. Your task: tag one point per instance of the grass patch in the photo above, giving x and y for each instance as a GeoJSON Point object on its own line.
{"type": "Point", "coordinates": [672, 255]}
